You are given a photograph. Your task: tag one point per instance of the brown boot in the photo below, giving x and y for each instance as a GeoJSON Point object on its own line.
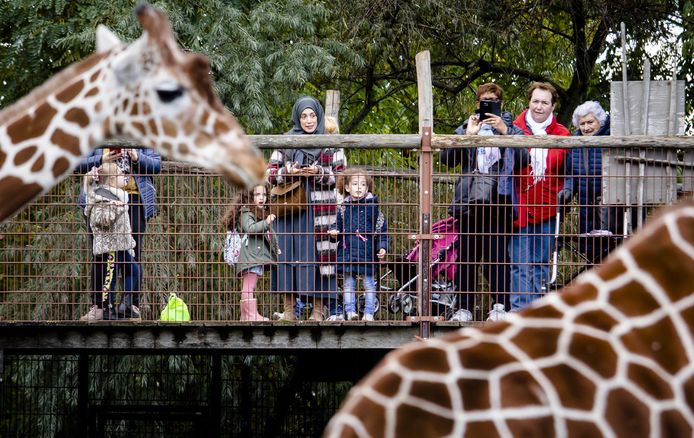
{"type": "Point", "coordinates": [288, 314]}
{"type": "Point", "coordinates": [317, 314]}
{"type": "Point", "coordinates": [249, 311]}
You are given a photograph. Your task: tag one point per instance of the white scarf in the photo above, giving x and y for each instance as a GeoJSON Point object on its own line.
{"type": "Point", "coordinates": [538, 156]}
{"type": "Point", "coordinates": [487, 156]}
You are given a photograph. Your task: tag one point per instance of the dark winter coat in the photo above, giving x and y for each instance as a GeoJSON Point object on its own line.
{"type": "Point", "coordinates": [467, 158]}
{"type": "Point", "coordinates": [588, 187]}
{"type": "Point", "coordinates": [363, 232]}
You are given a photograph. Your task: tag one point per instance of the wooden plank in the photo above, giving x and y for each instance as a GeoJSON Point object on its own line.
{"type": "Point", "coordinates": [425, 97]}
{"type": "Point", "coordinates": [155, 336]}
{"type": "Point", "coordinates": [412, 141]}
{"type": "Point", "coordinates": [332, 103]}
{"type": "Point", "coordinates": [665, 117]}
{"type": "Point", "coordinates": [527, 141]}
{"type": "Point", "coordinates": [625, 92]}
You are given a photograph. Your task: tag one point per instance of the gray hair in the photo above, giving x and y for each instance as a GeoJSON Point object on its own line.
{"type": "Point", "coordinates": [589, 107]}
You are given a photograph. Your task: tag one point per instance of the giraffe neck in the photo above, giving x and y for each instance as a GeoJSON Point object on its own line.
{"type": "Point", "coordinates": [44, 135]}
{"type": "Point", "coordinates": [611, 355]}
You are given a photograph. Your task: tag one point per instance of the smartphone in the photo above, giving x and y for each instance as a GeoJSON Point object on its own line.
{"type": "Point", "coordinates": [115, 151]}
{"type": "Point", "coordinates": [489, 106]}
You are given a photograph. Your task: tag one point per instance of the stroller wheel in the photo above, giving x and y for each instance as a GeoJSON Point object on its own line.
{"type": "Point", "coordinates": [408, 305]}
{"type": "Point", "coordinates": [362, 303]}
{"type": "Point", "coordinates": [394, 303]}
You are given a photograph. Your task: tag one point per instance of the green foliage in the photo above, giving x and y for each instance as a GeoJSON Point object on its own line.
{"type": "Point", "coordinates": [262, 53]}
{"type": "Point", "coordinates": [265, 54]}
{"type": "Point", "coordinates": [509, 42]}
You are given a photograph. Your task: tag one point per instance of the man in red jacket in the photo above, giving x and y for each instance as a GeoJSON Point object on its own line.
{"type": "Point", "coordinates": [536, 188]}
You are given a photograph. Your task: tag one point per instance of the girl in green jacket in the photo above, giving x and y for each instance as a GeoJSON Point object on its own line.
{"type": "Point", "coordinates": [250, 216]}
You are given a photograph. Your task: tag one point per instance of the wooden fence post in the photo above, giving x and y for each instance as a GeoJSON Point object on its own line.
{"type": "Point", "coordinates": [426, 122]}
{"type": "Point", "coordinates": [332, 103]}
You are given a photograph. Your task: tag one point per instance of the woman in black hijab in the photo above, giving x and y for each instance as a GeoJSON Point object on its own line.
{"type": "Point", "coordinates": [306, 266]}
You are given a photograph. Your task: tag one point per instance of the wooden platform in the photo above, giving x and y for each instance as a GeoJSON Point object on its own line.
{"type": "Point", "coordinates": [251, 338]}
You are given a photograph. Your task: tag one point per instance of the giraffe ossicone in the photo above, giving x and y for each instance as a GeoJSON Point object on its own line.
{"type": "Point", "coordinates": [149, 91]}
{"type": "Point", "coordinates": [610, 356]}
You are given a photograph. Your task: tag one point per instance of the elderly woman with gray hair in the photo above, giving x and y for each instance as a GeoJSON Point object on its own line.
{"type": "Point", "coordinates": [584, 177]}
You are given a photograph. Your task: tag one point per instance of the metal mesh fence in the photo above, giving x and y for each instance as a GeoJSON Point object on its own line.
{"type": "Point", "coordinates": [500, 253]}
{"type": "Point", "coordinates": [175, 395]}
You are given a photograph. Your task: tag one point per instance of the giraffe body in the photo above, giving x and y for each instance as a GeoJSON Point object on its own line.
{"type": "Point", "coordinates": [149, 91]}
{"type": "Point", "coordinates": [611, 356]}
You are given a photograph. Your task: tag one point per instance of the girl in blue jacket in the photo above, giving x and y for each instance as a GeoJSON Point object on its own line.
{"type": "Point", "coordinates": [364, 239]}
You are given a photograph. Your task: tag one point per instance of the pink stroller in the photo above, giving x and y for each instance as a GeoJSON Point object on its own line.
{"type": "Point", "coordinates": [443, 268]}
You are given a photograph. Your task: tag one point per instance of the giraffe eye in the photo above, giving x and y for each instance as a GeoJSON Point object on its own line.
{"type": "Point", "coordinates": [167, 96]}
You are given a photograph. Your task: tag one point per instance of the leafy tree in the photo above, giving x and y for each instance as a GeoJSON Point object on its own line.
{"type": "Point", "coordinates": [266, 53]}
{"type": "Point", "coordinates": [568, 43]}
{"type": "Point", "coordinates": [263, 53]}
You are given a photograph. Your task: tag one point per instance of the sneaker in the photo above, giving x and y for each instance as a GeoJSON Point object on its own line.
{"type": "Point", "coordinates": [95, 314]}
{"type": "Point", "coordinates": [368, 317]}
{"type": "Point", "coordinates": [462, 315]}
{"type": "Point", "coordinates": [498, 313]}
{"type": "Point", "coordinates": [336, 318]}
{"type": "Point", "coordinates": [134, 312]}
{"type": "Point", "coordinates": [352, 316]}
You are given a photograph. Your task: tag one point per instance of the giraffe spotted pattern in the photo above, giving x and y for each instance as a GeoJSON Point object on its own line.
{"type": "Point", "coordinates": [611, 356]}
{"type": "Point", "coordinates": [149, 91]}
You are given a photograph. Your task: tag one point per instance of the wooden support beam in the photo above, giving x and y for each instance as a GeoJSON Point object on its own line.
{"type": "Point", "coordinates": [332, 103]}
{"type": "Point", "coordinates": [413, 141]}
{"type": "Point", "coordinates": [157, 337]}
{"type": "Point", "coordinates": [426, 163]}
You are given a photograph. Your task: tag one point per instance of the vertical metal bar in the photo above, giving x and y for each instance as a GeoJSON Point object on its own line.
{"type": "Point", "coordinates": [215, 395]}
{"type": "Point", "coordinates": [645, 102]}
{"type": "Point", "coordinates": [426, 123]}
{"type": "Point", "coordinates": [627, 131]}
{"type": "Point", "coordinates": [425, 229]}
{"type": "Point", "coordinates": [83, 395]}
{"type": "Point", "coordinates": [671, 156]}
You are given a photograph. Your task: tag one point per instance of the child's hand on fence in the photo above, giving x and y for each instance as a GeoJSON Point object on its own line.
{"type": "Point", "coordinates": [113, 155]}
{"type": "Point", "coordinates": [333, 233]}
{"type": "Point", "coordinates": [381, 253]}
{"type": "Point", "coordinates": [94, 174]}
{"type": "Point", "coordinates": [132, 153]}
{"type": "Point", "coordinates": [270, 219]}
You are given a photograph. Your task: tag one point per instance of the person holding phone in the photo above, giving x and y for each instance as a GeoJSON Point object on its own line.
{"type": "Point", "coordinates": [138, 165]}
{"type": "Point", "coordinates": [484, 228]}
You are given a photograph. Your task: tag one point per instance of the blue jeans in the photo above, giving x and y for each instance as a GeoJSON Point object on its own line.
{"type": "Point", "coordinates": [530, 252]}
{"type": "Point", "coordinates": [350, 283]}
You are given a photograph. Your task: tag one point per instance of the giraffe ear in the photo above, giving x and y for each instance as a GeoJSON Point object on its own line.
{"type": "Point", "coordinates": [105, 39]}
{"type": "Point", "coordinates": [126, 68]}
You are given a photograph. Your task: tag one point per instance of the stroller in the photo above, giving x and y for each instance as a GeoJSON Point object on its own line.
{"type": "Point", "coordinates": [443, 269]}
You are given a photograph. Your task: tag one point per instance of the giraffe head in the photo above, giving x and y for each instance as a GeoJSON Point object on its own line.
{"type": "Point", "coordinates": [162, 96]}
